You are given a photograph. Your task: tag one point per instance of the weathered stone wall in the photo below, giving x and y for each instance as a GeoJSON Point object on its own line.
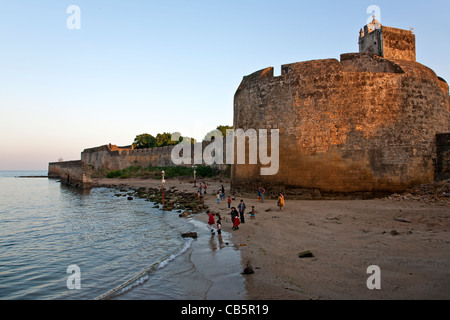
{"type": "Point", "coordinates": [103, 158]}
{"type": "Point", "coordinates": [398, 44]}
{"type": "Point", "coordinates": [72, 173]}
{"type": "Point", "coordinates": [360, 125]}
{"type": "Point", "coordinates": [113, 158]}
{"type": "Point", "coordinates": [389, 43]}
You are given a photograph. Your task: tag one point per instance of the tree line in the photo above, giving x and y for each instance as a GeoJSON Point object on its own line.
{"type": "Point", "coordinates": [146, 140]}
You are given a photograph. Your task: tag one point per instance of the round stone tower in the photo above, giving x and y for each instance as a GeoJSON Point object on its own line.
{"type": "Point", "coordinates": [363, 125]}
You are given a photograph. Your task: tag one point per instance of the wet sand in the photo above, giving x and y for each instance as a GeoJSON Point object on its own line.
{"type": "Point", "coordinates": [345, 237]}
{"type": "Point", "coordinates": [208, 270]}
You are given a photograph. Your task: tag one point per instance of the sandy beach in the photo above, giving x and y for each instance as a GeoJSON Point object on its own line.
{"type": "Point", "coordinates": [409, 240]}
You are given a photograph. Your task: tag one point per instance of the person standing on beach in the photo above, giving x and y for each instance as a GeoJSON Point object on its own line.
{"type": "Point", "coordinates": [204, 187]}
{"type": "Point", "coordinates": [280, 202]}
{"type": "Point", "coordinates": [261, 193]}
{"type": "Point", "coordinates": [229, 202]}
{"type": "Point", "coordinates": [235, 218]}
{"type": "Point", "coordinates": [211, 221]}
{"type": "Point", "coordinates": [241, 208]}
{"type": "Point", "coordinates": [219, 225]}
{"type": "Point", "coordinates": [218, 196]}
{"type": "Point", "coordinates": [223, 194]}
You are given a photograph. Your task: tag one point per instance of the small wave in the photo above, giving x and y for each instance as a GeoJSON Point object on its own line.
{"type": "Point", "coordinates": [144, 275]}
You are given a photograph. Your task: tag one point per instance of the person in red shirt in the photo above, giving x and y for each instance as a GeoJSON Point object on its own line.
{"type": "Point", "coordinates": [211, 221]}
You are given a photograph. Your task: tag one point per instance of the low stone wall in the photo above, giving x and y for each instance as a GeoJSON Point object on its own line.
{"type": "Point", "coordinates": [107, 158]}
{"type": "Point", "coordinates": [72, 173]}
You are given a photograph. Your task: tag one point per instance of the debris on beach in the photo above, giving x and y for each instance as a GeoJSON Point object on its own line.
{"type": "Point", "coordinates": [436, 192]}
{"type": "Point", "coordinates": [306, 254]}
{"type": "Point", "coordinates": [189, 235]}
{"type": "Point", "coordinates": [248, 269]}
{"type": "Point", "coordinates": [402, 219]}
{"type": "Point", "coordinates": [185, 214]}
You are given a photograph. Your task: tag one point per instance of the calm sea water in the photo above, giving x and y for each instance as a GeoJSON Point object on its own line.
{"type": "Point", "coordinates": [124, 249]}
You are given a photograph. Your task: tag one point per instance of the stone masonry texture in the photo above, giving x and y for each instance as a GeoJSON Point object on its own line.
{"type": "Point", "coordinates": [362, 124]}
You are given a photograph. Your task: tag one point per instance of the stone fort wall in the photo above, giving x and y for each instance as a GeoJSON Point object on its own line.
{"type": "Point", "coordinates": [72, 173]}
{"type": "Point", "coordinates": [362, 124]}
{"type": "Point", "coordinates": [107, 158]}
{"type": "Point", "coordinates": [111, 157]}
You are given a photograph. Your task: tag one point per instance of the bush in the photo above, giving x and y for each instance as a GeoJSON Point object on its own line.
{"type": "Point", "coordinates": [114, 174]}
{"type": "Point", "coordinates": [207, 171]}
{"type": "Point", "coordinates": [124, 175]}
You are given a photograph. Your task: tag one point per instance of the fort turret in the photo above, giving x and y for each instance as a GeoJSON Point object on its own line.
{"type": "Point", "coordinates": [387, 42]}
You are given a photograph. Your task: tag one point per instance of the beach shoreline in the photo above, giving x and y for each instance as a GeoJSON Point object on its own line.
{"type": "Point", "coordinates": [407, 239]}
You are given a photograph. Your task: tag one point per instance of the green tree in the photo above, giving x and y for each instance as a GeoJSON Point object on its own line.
{"type": "Point", "coordinates": [144, 141]}
{"type": "Point", "coordinates": [213, 133]}
{"type": "Point", "coordinates": [165, 139]}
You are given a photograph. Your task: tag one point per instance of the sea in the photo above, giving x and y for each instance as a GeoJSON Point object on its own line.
{"type": "Point", "coordinates": [63, 243]}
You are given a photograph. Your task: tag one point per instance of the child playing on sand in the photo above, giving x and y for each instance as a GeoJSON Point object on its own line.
{"type": "Point", "coordinates": [252, 213]}
{"type": "Point", "coordinates": [218, 197]}
{"type": "Point", "coordinates": [229, 202]}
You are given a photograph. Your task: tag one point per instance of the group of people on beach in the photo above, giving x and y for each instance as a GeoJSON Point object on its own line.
{"type": "Point", "coordinates": [201, 190]}
{"type": "Point", "coordinates": [237, 215]}
{"type": "Point", "coordinates": [260, 195]}
{"type": "Point", "coordinates": [211, 223]}
{"type": "Point", "coordinates": [220, 194]}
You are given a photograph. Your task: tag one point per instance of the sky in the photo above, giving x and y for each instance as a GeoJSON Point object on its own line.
{"type": "Point", "coordinates": [133, 67]}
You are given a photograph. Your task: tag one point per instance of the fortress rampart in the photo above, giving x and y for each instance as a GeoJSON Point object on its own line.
{"type": "Point", "coordinates": [72, 173]}
{"type": "Point", "coordinates": [364, 124]}
{"type": "Point", "coordinates": [115, 158]}
{"type": "Point", "coordinates": [111, 157]}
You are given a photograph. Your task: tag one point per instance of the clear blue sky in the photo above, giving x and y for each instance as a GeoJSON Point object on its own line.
{"type": "Point", "coordinates": [164, 66]}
